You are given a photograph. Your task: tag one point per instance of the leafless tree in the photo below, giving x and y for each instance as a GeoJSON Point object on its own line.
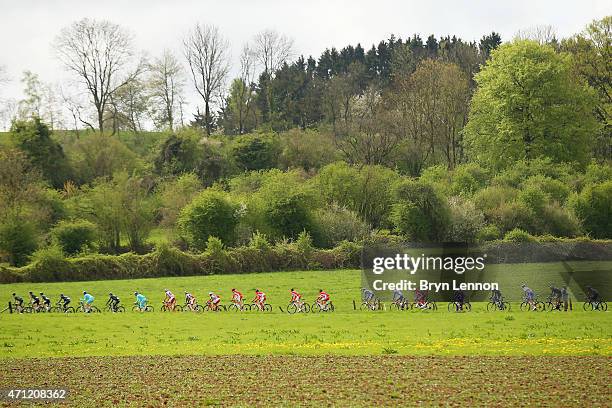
{"type": "Point", "coordinates": [101, 54]}
{"type": "Point", "coordinates": [207, 52]}
{"type": "Point", "coordinates": [544, 34]}
{"type": "Point", "coordinates": [272, 50]}
{"type": "Point", "coordinates": [166, 85]}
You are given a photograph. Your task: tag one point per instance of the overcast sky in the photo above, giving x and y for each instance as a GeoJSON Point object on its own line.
{"type": "Point", "coordinates": [27, 27]}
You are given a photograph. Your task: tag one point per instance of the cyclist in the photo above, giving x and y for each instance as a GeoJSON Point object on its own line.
{"type": "Point", "coordinates": [459, 299]}
{"type": "Point", "coordinates": [46, 301]}
{"type": "Point", "coordinates": [323, 299]}
{"type": "Point", "coordinates": [214, 301]}
{"type": "Point", "coordinates": [260, 299]}
{"type": "Point", "coordinates": [529, 296]}
{"type": "Point", "coordinates": [367, 295]}
{"type": "Point", "coordinates": [18, 303]}
{"type": "Point", "coordinates": [565, 298]}
{"type": "Point", "coordinates": [555, 296]}
{"type": "Point", "coordinates": [592, 294]}
{"type": "Point", "coordinates": [87, 300]}
{"type": "Point", "coordinates": [420, 298]}
{"type": "Point", "coordinates": [113, 302]}
{"type": "Point", "coordinates": [141, 301]}
{"type": "Point", "coordinates": [190, 301]}
{"type": "Point", "coordinates": [35, 301]}
{"type": "Point", "coordinates": [64, 300]}
{"type": "Point", "coordinates": [237, 298]}
{"type": "Point", "coordinates": [296, 297]}
{"type": "Point", "coordinates": [170, 300]}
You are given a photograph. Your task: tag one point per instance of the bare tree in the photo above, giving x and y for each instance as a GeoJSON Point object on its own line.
{"type": "Point", "coordinates": [166, 86]}
{"type": "Point", "coordinates": [272, 50]}
{"type": "Point", "coordinates": [101, 54]}
{"type": "Point", "coordinates": [544, 34]}
{"type": "Point", "coordinates": [206, 52]}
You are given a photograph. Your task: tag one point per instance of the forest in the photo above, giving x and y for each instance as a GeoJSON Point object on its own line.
{"type": "Point", "coordinates": [424, 140]}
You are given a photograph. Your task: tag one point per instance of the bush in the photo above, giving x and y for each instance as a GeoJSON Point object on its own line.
{"type": "Point", "coordinates": [488, 233]}
{"type": "Point", "coordinates": [555, 189]}
{"type": "Point", "coordinates": [593, 206]}
{"type": "Point", "coordinates": [420, 213]}
{"type": "Point", "coordinates": [512, 215]}
{"type": "Point", "coordinates": [256, 152]}
{"type": "Point", "coordinates": [288, 215]}
{"type": "Point", "coordinates": [559, 222]}
{"type": "Point", "coordinates": [17, 241]}
{"type": "Point", "coordinates": [493, 197]}
{"type": "Point", "coordinates": [466, 221]}
{"type": "Point", "coordinates": [211, 213]}
{"type": "Point", "coordinates": [468, 178]}
{"type": "Point", "coordinates": [334, 224]}
{"type": "Point", "coordinates": [518, 235]}
{"type": "Point", "coordinates": [74, 236]}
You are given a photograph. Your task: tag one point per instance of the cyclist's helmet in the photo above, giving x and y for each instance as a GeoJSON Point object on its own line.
{"type": "Point", "coordinates": [523, 285]}
{"type": "Point", "coordinates": [14, 294]}
{"type": "Point", "coordinates": [135, 293]}
{"type": "Point", "coordinates": [84, 292]}
{"type": "Point", "coordinates": [292, 289]}
{"type": "Point", "coordinates": [210, 293]}
{"type": "Point", "coordinates": [233, 289]}
{"type": "Point", "coordinates": [256, 290]}
{"type": "Point", "coordinates": [31, 293]}
{"type": "Point", "coordinates": [320, 290]}
{"type": "Point", "coordinates": [61, 295]}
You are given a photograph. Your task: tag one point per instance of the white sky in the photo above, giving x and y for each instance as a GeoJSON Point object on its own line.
{"type": "Point", "coordinates": [27, 27]}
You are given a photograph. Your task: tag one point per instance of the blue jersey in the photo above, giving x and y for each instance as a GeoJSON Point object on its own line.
{"type": "Point", "coordinates": [140, 298]}
{"type": "Point", "coordinates": [88, 298]}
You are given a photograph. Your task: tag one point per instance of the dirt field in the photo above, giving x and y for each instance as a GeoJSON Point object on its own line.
{"type": "Point", "coordinates": [320, 381]}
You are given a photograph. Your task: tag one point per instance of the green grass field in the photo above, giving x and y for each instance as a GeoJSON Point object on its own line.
{"type": "Point", "coordinates": [344, 332]}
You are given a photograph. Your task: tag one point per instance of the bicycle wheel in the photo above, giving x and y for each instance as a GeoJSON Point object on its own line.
{"type": "Point", "coordinates": [305, 308]}
{"type": "Point", "coordinates": [331, 307]}
{"type": "Point", "coordinates": [246, 307]}
{"type": "Point", "coordinates": [267, 307]}
{"type": "Point", "coordinates": [587, 306]}
{"type": "Point", "coordinates": [364, 306]}
{"type": "Point", "coordinates": [135, 308]}
{"type": "Point", "coordinates": [525, 307]}
{"type": "Point", "coordinates": [28, 309]}
{"type": "Point", "coordinates": [491, 307]}
{"type": "Point", "coordinates": [467, 306]}
{"type": "Point", "coordinates": [149, 308]}
{"type": "Point", "coordinates": [198, 309]}
{"type": "Point", "coordinates": [233, 307]}
{"type": "Point", "coordinates": [95, 309]}
{"type": "Point", "coordinates": [540, 306]}
{"type": "Point", "coordinates": [505, 306]}
{"type": "Point", "coordinates": [120, 309]}
{"type": "Point", "coordinates": [292, 308]}
{"type": "Point", "coordinates": [315, 308]}
{"type": "Point", "coordinates": [178, 308]}
{"type": "Point", "coordinates": [452, 307]}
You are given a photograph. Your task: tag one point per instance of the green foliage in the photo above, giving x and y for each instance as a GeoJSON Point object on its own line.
{"type": "Point", "coordinates": [364, 190]}
{"type": "Point", "coordinates": [554, 189]}
{"type": "Point", "coordinates": [287, 214]}
{"type": "Point", "coordinates": [256, 152]}
{"type": "Point", "coordinates": [18, 239]}
{"type": "Point", "coordinates": [34, 138]}
{"type": "Point", "coordinates": [308, 150]}
{"type": "Point", "coordinates": [420, 212]}
{"type": "Point", "coordinates": [468, 178]}
{"type": "Point", "coordinates": [518, 235]}
{"type": "Point", "coordinates": [528, 105]}
{"type": "Point", "coordinates": [74, 236]}
{"type": "Point", "coordinates": [488, 233]}
{"type": "Point", "coordinates": [211, 213]}
{"type": "Point", "coordinates": [334, 224]}
{"type": "Point", "coordinates": [174, 195]}
{"type": "Point", "coordinates": [259, 241]}
{"type": "Point", "coordinates": [466, 221]}
{"type": "Point", "coordinates": [594, 208]}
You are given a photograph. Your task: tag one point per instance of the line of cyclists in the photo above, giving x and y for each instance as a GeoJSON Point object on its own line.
{"type": "Point", "coordinates": [42, 303]}
{"type": "Point", "coordinates": [557, 300]}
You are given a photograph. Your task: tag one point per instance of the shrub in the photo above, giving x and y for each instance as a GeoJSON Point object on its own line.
{"type": "Point", "coordinates": [492, 197]}
{"type": "Point", "coordinates": [334, 224]}
{"type": "Point", "coordinates": [420, 213]}
{"type": "Point", "coordinates": [512, 215]}
{"type": "Point", "coordinates": [259, 241]}
{"type": "Point", "coordinates": [465, 220]}
{"type": "Point", "coordinates": [558, 221]}
{"type": "Point", "coordinates": [468, 178]}
{"type": "Point", "coordinates": [555, 189]}
{"type": "Point", "coordinates": [593, 206]}
{"type": "Point", "coordinates": [255, 152]}
{"type": "Point", "coordinates": [488, 233]}
{"type": "Point", "coordinates": [288, 215]}
{"type": "Point", "coordinates": [74, 236]}
{"type": "Point", "coordinates": [17, 240]}
{"type": "Point", "coordinates": [211, 213]}
{"type": "Point", "coordinates": [519, 235]}
{"type": "Point", "coordinates": [51, 264]}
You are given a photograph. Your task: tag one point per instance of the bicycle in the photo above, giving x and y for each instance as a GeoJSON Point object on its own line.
{"type": "Point", "coordinates": [255, 307]}
{"type": "Point", "coordinates": [60, 307]}
{"type": "Point", "coordinates": [459, 307]}
{"type": "Point", "coordinates": [590, 306]}
{"type": "Point", "coordinates": [195, 308]}
{"type": "Point", "coordinates": [114, 309]}
{"type": "Point", "coordinates": [318, 307]}
{"type": "Point", "coordinates": [372, 304]}
{"type": "Point", "coordinates": [499, 304]}
{"type": "Point", "coordinates": [526, 306]}
{"type": "Point", "coordinates": [137, 308]}
{"type": "Point", "coordinates": [298, 307]}
{"type": "Point", "coordinates": [553, 304]}
{"type": "Point", "coordinates": [81, 309]}
{"type": "Point", "coordinates": [166, 307]}
{"type": "Point", "coordinates": [209, 307]}
{"type": "Point", "coordinates": [237, 307]}
{"type": "Point", "coordinates": [427, 305]}
{"type": "Point", "coordinates": [400, 304]}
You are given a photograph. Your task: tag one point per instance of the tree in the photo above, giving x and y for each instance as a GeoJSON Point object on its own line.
{"type": "Point", "coordinates": [594, 208]}
{"type": "Point", "coordinates": [34, 138]}
{"type": "Point", "coordinates": [240, 113]}
{"type": "Point", "coordinates": [101, 54]}
{"type": "Point", "coordinates": [256, 152]}
{"type": "Point", "coordinates": [128, 107]}
{"type": "Point", "coordinates": [20, 182]}
{"type": "Point", "coordinates": [592, 51]}
{"type": "Point", "coordinates": [206, 52]}
{"type": "Point", "coordinates": [40, 100]}
{"type": "Point", "coordinates": [166, 84]}
{"type": "Point", "coordinates": [272, 49]}
{"type": "Point", "coordinates": [529, 105]}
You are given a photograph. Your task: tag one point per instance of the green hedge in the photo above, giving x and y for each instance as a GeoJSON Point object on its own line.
{"type": "Point", "coordinates": [168, 261]}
